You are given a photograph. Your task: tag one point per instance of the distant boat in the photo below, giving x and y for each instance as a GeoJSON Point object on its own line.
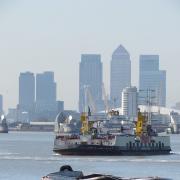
{"type": "Point", "coordinates": [3, 125]}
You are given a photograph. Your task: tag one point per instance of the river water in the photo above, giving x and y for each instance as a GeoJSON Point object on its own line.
{"type": "Point", "coordinates": [29, 156]}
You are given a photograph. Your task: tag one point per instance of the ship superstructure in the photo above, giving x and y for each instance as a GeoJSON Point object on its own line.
{"type": "Point", "coordinates": [96, 138]}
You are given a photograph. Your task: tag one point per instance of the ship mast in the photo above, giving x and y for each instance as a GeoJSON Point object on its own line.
{"type": "Point", "coordinates": [144, 119]}
{"type": "Point", "coordinates": [148, 99]}
{"type": "Point", "coordinates": [85, 116]}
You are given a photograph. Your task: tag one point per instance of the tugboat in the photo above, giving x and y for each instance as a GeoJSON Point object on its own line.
{"type": "Point", "coordinates": [93, 140]}
{"type": "Point", "coordinates": [3, 125]}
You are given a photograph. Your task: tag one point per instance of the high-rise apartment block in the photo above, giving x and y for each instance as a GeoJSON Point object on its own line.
{"type": "Point", "coordinates": [130, 102]}
{"type": "Point", "coordinates": [120, 75]}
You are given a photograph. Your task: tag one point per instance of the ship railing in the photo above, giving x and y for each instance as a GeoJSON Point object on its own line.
{"type": "Point", "coordinates": [146, 146]}
{"type": "Point", "coordinates": [68, 137]}
{"type": "Point", "coordinates": [105, 137]}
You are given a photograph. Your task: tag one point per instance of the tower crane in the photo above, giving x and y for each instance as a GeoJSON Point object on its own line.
{"type": "Point", "coordinates": [105, 98]}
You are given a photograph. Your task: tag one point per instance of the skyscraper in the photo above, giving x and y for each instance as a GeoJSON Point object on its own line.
{"type": "Point", "coordinates": [151, 78]}
{"type": "Point", "coordinates": [45, 91]}
{"type": "Point", "coordinates": [90, 75]}
{"type": "Point", "coordinates": [120, 74]}
{"type": "Point", "coordinates": [26, 91]}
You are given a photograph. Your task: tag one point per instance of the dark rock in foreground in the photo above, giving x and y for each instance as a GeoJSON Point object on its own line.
{"type": "Point", "coordinates": [66, 173]}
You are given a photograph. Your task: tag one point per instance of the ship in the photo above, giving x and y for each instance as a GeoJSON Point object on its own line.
{"type": "Point", "coordinates": [3, 125]}
{"type": "Point", "coordinates": [96, 140]}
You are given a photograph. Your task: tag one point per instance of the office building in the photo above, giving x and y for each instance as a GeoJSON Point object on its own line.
{"type": "Point", "coordinates": [26, 91]}
{"type": "Point", "coordinates": [153, 80]}
{"type": "Point", "coordinates": [45, 92]}
{"type": "Point", "coordinates": [120, 75]}
{"type": "Point", "coordinates": [90, 77]}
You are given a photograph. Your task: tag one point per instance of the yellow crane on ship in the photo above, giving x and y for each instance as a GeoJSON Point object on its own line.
{"type": "Point", "coordinates": [86, 123]}
{"type": "Point", "coordinates": [141, 125]}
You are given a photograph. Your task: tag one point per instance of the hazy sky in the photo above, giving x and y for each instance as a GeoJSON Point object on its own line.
{"type": "Point", "coordinates": [39, 35]}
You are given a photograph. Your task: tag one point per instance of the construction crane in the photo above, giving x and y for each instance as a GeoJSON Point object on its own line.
{"type": "Point", "coordinates": [90, 106]}
{"type": "Point", "coordinates": [105, 98]}
{"type": "Point", "coordinates": [90, 101]}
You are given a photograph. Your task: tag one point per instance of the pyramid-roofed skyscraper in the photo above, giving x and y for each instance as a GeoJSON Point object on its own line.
{"type": "Point", "coordinates": [120, 50]}
{"type": "Point", "coordinates": [120, 74]}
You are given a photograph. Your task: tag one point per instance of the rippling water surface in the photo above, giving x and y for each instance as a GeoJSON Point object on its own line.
{"type": "Point", "coordinates": [29, 156]}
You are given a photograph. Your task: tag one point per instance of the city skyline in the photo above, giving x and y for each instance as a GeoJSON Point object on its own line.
{"type": "Point", "coordinates": [43, 95]}
{"type": "Point", "coordinates": [42, 40]}
{"type": "Point", "coordinates": [115, 53]}
{"type": "Point", "coordinates": [89, 57]}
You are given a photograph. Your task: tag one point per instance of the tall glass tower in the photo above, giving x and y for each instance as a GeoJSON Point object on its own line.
{"type": "Point", "coordinates": [153, 79]}
{"type": "Point", "coordinates": [90, 76]}
{"type": "Point", "coordinates": [120, 74]}
{"type": "Point", "coordinates": [45, 91]}
{"type": "Point", "coordinates": [26, 91]}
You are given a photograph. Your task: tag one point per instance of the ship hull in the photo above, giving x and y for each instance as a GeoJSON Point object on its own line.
{"type": "Point", "coordinates": [95, 150]}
